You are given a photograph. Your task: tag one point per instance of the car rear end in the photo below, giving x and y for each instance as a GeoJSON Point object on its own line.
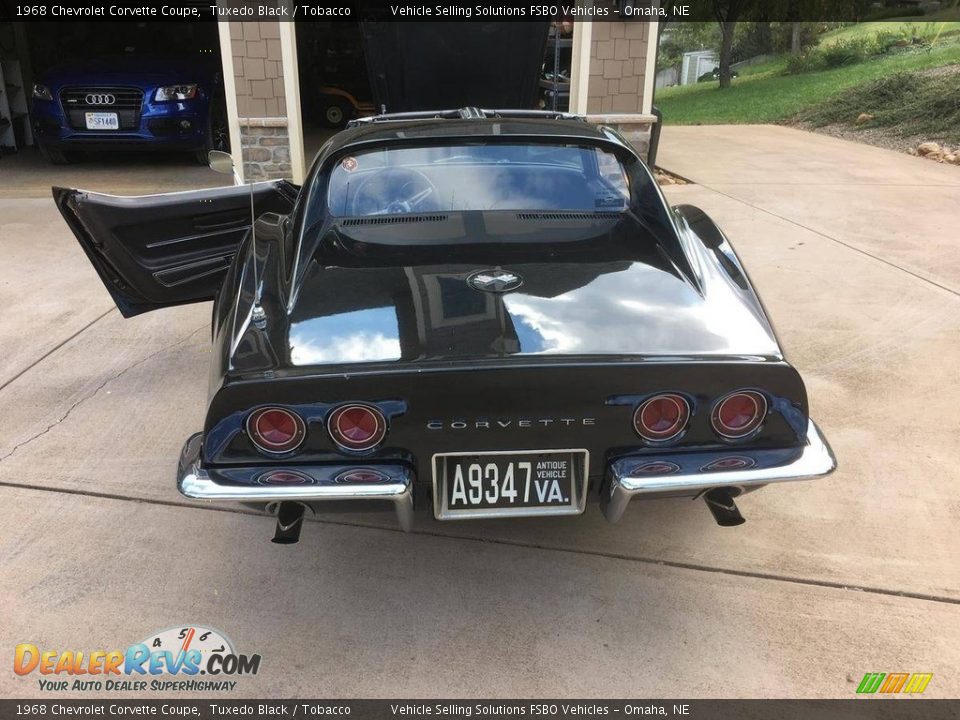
{"type": "Point", "coordinates": [508, 439]}
{"type": "Point", "coordinates": [537, 334]}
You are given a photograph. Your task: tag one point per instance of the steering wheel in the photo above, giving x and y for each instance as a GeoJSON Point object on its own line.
{"type": "Point", "coordinates": [393, 190]}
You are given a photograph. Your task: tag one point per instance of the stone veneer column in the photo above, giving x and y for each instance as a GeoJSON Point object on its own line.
{"type": "Point", "coordinates": [261, 104]}
{"type": "Point", "coordinates": [635, 127]}
{"type": "Point", "coordinates": [266, 148]}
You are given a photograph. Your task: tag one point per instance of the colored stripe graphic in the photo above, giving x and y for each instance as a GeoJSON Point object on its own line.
{"type": "Point", "coordinates": [891, 683]}
{"type": "Point", "coordinates": [870, 682]}
{"type": "Point", "coordinates": [894, 682]}
{"type": "Point", "coordinates": [918, 682]}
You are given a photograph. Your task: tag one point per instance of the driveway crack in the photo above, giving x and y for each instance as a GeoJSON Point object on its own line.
{"type": "Point", "coordinates": [97, 390]}
{"type": "Point", "coordinates": [56, 347]}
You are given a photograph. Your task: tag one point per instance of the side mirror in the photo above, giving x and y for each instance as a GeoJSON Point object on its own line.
{"type": "Point", "coordinates": [220, 162]}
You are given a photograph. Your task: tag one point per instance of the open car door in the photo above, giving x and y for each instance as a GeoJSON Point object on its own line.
{"type": "Point", "coordinates": [156, 251]}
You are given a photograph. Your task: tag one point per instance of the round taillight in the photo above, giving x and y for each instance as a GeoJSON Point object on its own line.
{"type": "Point", "coordinates": [739, 414]}
{"type": "Point", "coordinates": [357, 427]}
{"type": "Point", "coordinates": [662, 417]}
{"type": "Point", "coordinates": [275, 430]}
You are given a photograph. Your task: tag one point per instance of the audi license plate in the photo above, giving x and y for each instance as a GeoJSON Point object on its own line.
{"type": "Point", "coordinates": [102, 121]}
{"type": "Point", "coordinates": [519, 483]}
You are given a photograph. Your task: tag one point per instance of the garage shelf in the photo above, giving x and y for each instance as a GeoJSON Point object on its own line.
{"type": "Point", "coordinates": [558, 56]}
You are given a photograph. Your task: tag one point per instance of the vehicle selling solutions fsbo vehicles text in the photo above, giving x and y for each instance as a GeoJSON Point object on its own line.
{"type": "Point", "coordinates": [492, 10]}
{"type": "Point", "coordinates": [536, 11]}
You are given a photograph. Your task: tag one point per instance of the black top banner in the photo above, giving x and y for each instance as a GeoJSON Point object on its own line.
{"type": "Point", "coordinates": [419, 10]}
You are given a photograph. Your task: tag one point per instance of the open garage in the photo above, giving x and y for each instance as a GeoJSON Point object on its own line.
{"type": "Point", "coordinates": [85, 101]}
{"type": "Point", "coordinates": [334, 83]}
{"type": "Point", "coordinates": [270, 91]}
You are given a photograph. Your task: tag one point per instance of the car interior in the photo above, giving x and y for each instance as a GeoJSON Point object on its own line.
{"type": "Point", "coordinates": [450, 179]}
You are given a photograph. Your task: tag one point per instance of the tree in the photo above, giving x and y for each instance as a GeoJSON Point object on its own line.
{"type": "Point", "coordinates": [793, 12]}
{"type": "Point", "coordinates": [686, 36]}
{"type": "Point", "coordinates": [727, 12]}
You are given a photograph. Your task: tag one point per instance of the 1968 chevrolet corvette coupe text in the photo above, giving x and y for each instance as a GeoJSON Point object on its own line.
{"type": "Point", "coordinates": [493, 313]}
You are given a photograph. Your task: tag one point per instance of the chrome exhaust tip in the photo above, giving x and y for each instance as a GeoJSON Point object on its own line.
{"type": "Point", "coordinates": [289, 523]}
{"type": "Point", "coordinates": [723, 508]}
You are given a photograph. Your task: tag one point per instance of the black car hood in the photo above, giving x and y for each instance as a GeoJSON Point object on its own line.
{"type": "Point", "coordinates": [597, 297]}
{"type": "Point", "coordinates": [443, 65]}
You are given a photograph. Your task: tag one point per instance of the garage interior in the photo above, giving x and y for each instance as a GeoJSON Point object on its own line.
{"type": "Point", "coordinates": [334, 86]}
{"type": "Point", "coordinates": [335, 81]}
{"type": "Point", "coordinates": [279, 118]}
{"type": "Point", "coordinates": [28, 51]}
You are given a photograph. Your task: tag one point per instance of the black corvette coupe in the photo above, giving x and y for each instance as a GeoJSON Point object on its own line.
{"type": "Point", "coordinates": [493, 313]}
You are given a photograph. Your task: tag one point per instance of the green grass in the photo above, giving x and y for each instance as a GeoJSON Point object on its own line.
{"type": "Point", "coordinates": [763, 94]}
{"type": "Point", "coordinates": [942, 23]}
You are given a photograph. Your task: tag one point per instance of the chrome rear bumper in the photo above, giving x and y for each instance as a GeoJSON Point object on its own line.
{"type": "Point", "coordinates": [689, 473]}
{"type": "Point", "coordinates": [681, 473]}
{"type": "Point", "coordinates": [240, 484]}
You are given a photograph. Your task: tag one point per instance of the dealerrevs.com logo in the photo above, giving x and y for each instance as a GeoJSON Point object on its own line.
{"type": "Point", "coordinates": [185, 658]}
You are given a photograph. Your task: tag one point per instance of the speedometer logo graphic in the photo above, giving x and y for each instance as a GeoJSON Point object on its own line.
{"type": "Point", "coordinates": [207, 641]}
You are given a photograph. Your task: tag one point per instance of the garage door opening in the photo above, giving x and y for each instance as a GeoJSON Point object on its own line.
{"type": "Point", "coordinates": [106, 95]}
{"type": "Point", "coordinates": [334, 83]}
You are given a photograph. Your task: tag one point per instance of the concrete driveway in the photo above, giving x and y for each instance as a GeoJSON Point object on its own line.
{"type": "Point", "coordinates": [826, 581]}
{"type": "Point", "coordinates": [27, 175]}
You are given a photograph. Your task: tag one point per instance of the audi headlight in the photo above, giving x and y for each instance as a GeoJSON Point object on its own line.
{"type": "Point", "coordinates": [176, 92]}
{"type": "Point", "coordinates": [42, 92]}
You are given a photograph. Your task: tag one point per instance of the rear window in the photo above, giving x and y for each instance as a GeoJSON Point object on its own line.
{"type": "Point", "coordinates": [477, 177]}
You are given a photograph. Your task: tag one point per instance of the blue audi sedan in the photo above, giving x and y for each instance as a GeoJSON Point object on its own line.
{"type": "Point", "coordinates": [131, 102]}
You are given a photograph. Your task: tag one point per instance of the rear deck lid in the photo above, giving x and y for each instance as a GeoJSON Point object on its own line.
{"type": "Point", "coordinates": [442, 65]}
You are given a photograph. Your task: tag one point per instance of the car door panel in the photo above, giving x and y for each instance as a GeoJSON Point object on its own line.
{"type": "Point", "coordinates": [157, 251]}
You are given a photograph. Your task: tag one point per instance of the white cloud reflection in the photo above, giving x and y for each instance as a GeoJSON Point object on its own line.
{"type": "Point", "coordinates": [355, 347]}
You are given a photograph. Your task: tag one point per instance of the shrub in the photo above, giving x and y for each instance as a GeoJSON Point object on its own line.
{"type": "Point", "coordinates": [848, 51]}
{"type": "Point", "coordinates": [809, 61]}
{"type": "Point", "coordinates": [923, 34]}
{"type": "Point", "coordinates": [845, 52]}
{"type": "Point", "coordinates": [882, 41]}
{"type": "Point", "coordinates": [810, 32]}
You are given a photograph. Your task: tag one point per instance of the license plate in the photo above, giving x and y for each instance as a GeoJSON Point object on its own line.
{"type": "Point", "coordinates": [102, 121]}
{"type": "Point", "coordinates": [515, 483]}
